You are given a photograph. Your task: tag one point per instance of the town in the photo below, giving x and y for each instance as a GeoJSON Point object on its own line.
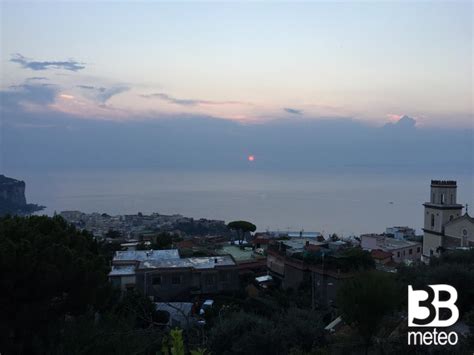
{"type": "Point", "coordinates": [191, 269]}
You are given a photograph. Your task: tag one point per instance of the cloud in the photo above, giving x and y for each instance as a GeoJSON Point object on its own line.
{"type": "Point", "coordinates": [89, 87]}
{"type": "Point", "coordinates": [33, 78]}
{"type": "Point", "coordinates": [188, 102]}
{"type": "Point", "coordinates": [101, 94]}
{"type": "Point", "coordinates": [403, 122]}
{"type": "Point", "coordinates": [293, 111]}
{"type": "Point", "coordinates": [27, 93]}
{"type": "Point", "coordinates": [70, 64]}
{"type": "Point", "coordinates": [188, 142]}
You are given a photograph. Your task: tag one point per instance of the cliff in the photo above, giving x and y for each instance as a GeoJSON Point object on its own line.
{"type": "Point", "coordinates": [12, 198]}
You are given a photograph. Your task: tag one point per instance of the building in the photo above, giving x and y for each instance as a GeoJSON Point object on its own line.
{"type": "Point", "coordinates": [401, 250]}
{"type": "Point", "coordinates": [164, 276]}
{"type": "Point", "coordinates": [290, 271]}
{"type": "Point", "coordinates": [445, 226]}
{"type": "Point", "coordinates": [400, 233]}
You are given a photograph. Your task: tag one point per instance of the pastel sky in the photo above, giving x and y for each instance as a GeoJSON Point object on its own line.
{"type": "Point", "coordinates": [250, 61]}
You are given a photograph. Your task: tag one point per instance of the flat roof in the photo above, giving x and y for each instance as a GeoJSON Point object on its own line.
{"type": "Point", "coordinates": [142, 255]}
{"type": "Point", "coordinates": [391, 243]}
{"type": "Point", "coordinates": [195, 263]}
{"type": "Point", "coordinates": [122, 270]}
{"type": "Point", "coordinates": [237, 253]}
{"type": "Point", "coordinates": [264, 278]}
{"type": "Point", "coordinates": [299, 243]}
{"type": "Point", "coordinates": [303, 234]}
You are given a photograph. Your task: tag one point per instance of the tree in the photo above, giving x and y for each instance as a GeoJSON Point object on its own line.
{"type": "Point", "coordinates": [278, 333]}
{"type": "Point", "coordinates": [49, 271]}
{"type": "Point", "coordinates": [365, 300]}
{"type": "Point", "coordinates": [241, 227]}
{"type": "Point", "coordinates": [113, 234]}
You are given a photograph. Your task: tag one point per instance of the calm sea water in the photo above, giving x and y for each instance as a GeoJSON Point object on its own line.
{"type": "Point", "coordinates": [340, 203]}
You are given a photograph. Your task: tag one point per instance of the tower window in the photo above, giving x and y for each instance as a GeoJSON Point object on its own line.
{"type": "Point", "coordinates": [432, 220]}
{"type": "Point", "coordinates": [451, 218]}
{"type": "Point", "coordinates": [464, 238]}
{"type": "Point", "coordinates": [443, 199]}
{"type": "Point", "coordinates": [452, 199]}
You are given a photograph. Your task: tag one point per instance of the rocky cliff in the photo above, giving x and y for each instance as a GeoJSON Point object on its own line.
{"type": "Point", "coordinates": [12, 197]}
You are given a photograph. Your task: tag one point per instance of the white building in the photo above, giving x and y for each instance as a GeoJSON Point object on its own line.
{"type": "Point", "coordinates": [401, 250]}
{"type": "Point", "coordinates": [401, 232]}
{"type": "Point", "coordinates": [445, 227]}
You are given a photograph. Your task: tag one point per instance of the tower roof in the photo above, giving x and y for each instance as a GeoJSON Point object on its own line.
{"type": "Point", "coordinates": [443, 183]}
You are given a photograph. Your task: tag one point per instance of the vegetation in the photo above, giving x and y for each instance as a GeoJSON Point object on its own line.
{"type": "Point", "coordinates": [56, 299]}
{"type": "Point", "coordinates": [368, 301]}
{"type": "Point", "coordinates": [242, 228]}
{"type": "Point", "coordinates": [365, 300]}
{"type": "Point", "coordinates": [277, 333]}
{"type": "Point", "coordinates": [351, 259]}
{"type": "Point", "coordinates": [48, 271]}
{"type": "Point", "coordinates": [163, 240]}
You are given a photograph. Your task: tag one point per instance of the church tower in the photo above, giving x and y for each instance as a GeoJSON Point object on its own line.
{"type": "Point", "coordinates": [441, 209]}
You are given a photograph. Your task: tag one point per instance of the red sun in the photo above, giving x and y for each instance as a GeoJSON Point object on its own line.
{"type": "Point", "coordinates": [251, 158]}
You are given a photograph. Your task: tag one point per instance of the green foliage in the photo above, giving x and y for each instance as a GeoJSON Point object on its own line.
{"type": "Point", "coordinates": [48, 270]}
{"type": "Point", "coordinates": [199, 351]}
{"type": "Point", "coordinates": [113, 234]}
{"type": "Point", "coordinates": [366, 299]}
{"type": "Point", "coordinates": [138, 309]}
{"type": "Point", "coordinates": [351, 259]}
{"type": "Point", "coordinates": [455, 268]}
{"type": "Point", "coordinates": [163, 240]}
{"type": "Point", "coordinates": [111, 334]}
{"type": "Point", "coordinates": [248, 333]}
{"type": "Point", "coordinates": [242, 227]}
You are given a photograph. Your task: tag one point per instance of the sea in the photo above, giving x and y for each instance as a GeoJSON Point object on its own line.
{"type": "Point", "coordinates": [344, 202]}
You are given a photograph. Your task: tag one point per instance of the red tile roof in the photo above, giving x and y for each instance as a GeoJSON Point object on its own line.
{"type": "Point", "coordinates": [380, 254]}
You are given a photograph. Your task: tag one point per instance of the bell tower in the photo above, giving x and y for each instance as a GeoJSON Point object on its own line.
{"type": "Point", "coordinates": [441, 209]}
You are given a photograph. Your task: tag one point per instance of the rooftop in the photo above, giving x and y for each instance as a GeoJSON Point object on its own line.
{"type": "Point", "coordinates": [142, 255]}
{"type": "Point", "coordinates": [300, 243]}
{"type": "Point", "coordinates": [122, 270]}
{"type": "Point", "coordinates": [391, 243]}
{"type": "Point", "coordinates": [303, 234]}
{"type": "Point", "coordinates": [195, 263]}
{"type": "Point", "coordinates": [237, 253]}
{"type": "Point", "coordinates": [443, 183]}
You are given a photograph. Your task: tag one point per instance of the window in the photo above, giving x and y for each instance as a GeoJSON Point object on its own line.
{"type": "Point", "coordinates": [464, 241]}
{"type": "Point", "coordinates": [452, 199]}
{"type": "Point", "coordinates": [451, 218]}
{"type": "Point", "coordinates": [442, 199]}
{"type": "Point", "coordinates": [433, 198]}
{"type": "Point", "coordinates": [398, 254]}
{"type": "Point", "coordinates": [418, 249]}
{"type": "Point", "coordinates": [432, 220]}
{"type": "Point", "coordinates": [410, 251]}
{"type": "Point", "coordinates": [156, 280]}
{"type": "Point", "coordinates": [176, 280]}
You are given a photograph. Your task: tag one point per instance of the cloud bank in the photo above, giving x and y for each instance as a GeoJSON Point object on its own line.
{"type": "Point", "coordinates": [70, 64]}
{"type": "Point", "coordinates": [188, 102]}
{"type": "Point", "coordinates": [293, 111]}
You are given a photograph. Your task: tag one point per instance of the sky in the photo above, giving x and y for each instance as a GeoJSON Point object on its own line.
{"type": "Point", "coordinates": [247, 62]}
